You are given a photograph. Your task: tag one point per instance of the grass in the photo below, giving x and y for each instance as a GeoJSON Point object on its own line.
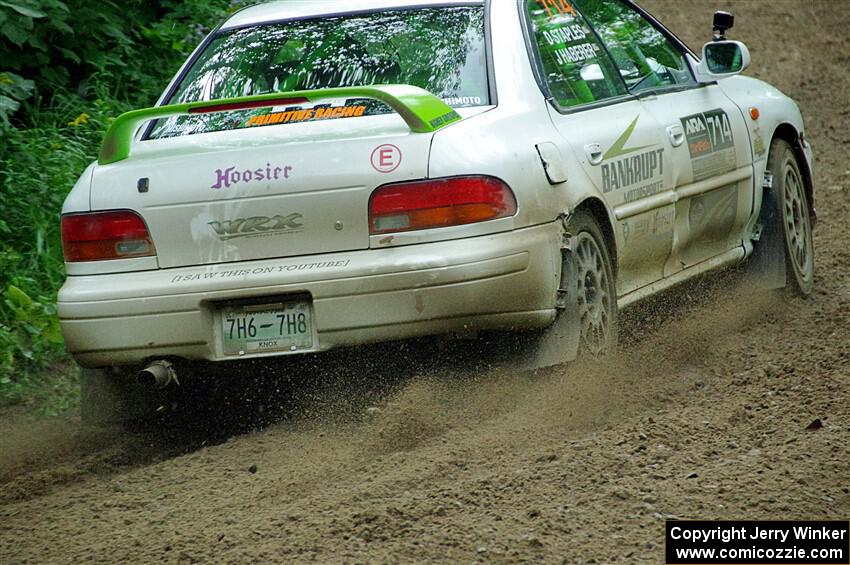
{"type": "Point", "coordinates": [38, 167]}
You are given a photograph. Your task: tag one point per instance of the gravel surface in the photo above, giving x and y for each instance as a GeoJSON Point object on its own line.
{"type": "Point", "coordinates": [723, 404]}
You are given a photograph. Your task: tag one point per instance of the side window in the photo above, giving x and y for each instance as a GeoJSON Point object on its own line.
{"type": "Point", "coordinates": [575, 65]}
{"type": "Point", "coordinates": [644, 57]}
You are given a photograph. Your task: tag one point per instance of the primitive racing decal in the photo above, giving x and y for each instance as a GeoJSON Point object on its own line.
{"type": "Point", "coordinates": [309, 115]}
{"type": "Point", "coordinates": [711, 143]}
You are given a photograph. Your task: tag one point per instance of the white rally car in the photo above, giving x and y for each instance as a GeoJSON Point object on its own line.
{"type": "Point", "coordinates": [317, 177]}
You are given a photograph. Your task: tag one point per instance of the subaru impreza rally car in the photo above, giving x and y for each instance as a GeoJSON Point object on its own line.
{"type": "Point", "coordinates": [318, 176]}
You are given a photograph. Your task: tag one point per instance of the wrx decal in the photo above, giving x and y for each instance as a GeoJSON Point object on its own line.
{"type": "Point", "coordinates": [256, 225]}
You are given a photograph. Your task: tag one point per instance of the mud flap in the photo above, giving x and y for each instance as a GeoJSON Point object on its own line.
{"type": "Point", "coordinates": [559, 342]}
{"type": "Point", "coordinates": [767, 265]}
{"type": "Point", "coordinates": [113, 396]}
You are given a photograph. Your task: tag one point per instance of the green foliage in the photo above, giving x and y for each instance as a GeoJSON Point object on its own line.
{"type": "Point", "coordinates": [66, 69]}
{"type": "Point", "coordinates": [13, 89]}
{"type": "Point", "coordinates": [131, 47]}
{"type": "Point", "coordinates": [38, 165]}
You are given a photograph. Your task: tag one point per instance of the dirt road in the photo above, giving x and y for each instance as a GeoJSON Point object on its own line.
{"type": "Point", "coordinates": [704, 415]}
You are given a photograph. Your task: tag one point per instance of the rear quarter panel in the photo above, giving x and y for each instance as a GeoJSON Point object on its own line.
{"type": "Point", "coordinates": [502, 142]}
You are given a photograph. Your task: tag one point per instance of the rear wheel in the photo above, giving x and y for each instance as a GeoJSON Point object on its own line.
{"type": "Point", "coordinates": [585, 324]}
{"type": "Point", "coordinates": [593, 281]}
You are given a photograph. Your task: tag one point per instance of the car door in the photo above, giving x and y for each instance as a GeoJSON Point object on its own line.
{"type": "Point", "coordinates": [612, 134]}
{"type": "Point", "coordinates": [707, 133]}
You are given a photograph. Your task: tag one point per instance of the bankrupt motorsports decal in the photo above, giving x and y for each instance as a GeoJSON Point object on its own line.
{"type": "Point", "coordinates": [637, 170]}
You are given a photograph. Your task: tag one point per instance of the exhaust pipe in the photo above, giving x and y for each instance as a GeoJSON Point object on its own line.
{"type": "Point", "coordinates": [158, 375]}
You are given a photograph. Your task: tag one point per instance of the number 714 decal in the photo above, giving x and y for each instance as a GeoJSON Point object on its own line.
{"type": "Point", "coordinates": [711, 143]}
{"type": "Point", "coordinates": [560, 6]}
{"type": "Point", "coordinates": [708, 132]}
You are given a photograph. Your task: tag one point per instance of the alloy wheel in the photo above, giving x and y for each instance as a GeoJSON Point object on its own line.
{"type": "Point", "coordinates": [594, 298]}
{"type": "Point", "coordinates": [798, 228]}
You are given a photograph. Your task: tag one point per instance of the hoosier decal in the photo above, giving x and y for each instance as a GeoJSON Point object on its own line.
{"type": "Point", "coordinates": [711, 143]}
{"type": "Point", "coordinates": [224, 178]}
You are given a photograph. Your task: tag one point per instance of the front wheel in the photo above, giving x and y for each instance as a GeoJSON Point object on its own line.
{"type": "Point", "coordinates": [796, 219]}
{"type": "Point", "coordinates": [783, 257]}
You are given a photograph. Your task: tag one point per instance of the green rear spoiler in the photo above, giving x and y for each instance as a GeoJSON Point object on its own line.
{"type": "Point", "coordinates": [422, 111]}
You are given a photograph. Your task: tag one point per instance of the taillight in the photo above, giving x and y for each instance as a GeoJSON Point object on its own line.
{"type": "Point", "coordinates": [439, 203]}
{"type": "Point", "coordinates": [98, 236]}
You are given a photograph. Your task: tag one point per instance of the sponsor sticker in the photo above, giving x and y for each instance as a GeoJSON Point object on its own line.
{"type": "Point", "coordinates": [463, 100]}
{"type": "Point", "coordinates": [312, 114]}
{"type": "Point", "coordinates": [446, 118]}
{"type": "Point", "coordinates": [639, 170]}
{"type": "Point", "coordinates": [710, 143]}
{"type": "Point", "coordinates": [229, 176]}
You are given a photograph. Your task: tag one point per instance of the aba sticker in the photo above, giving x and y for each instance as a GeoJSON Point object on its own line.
{"type": "Point", "coordinates": [711, 143]}
{"type": "Point", "coordinates": [386, 158]}
{"type": "Point", "coordinates": [708, 132]}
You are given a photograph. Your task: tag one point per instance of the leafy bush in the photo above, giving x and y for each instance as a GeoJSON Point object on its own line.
{"type": "Point", "coordinates": [67, 69]}
{"type": "Point", "coordinates": [132, 47]}
{"type": "Point", "coordinates": [13, 89]}
{"type": "Point", "coordinates": [38, 167]}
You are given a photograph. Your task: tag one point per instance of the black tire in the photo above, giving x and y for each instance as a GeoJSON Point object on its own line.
{"type": "Point", "coordinates": [594, 284]}
{"type": "Point", "coordinates": [787, 210]}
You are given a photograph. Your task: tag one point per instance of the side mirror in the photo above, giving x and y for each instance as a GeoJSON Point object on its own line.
{"type": "Point", "coordinates": [721, 59]}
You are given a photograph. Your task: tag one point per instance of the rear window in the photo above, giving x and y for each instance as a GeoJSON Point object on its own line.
{"type": "Point", "coordinates": [439, 49]}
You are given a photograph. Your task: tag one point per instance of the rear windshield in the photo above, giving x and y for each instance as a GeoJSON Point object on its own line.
{"type": "Point", "coordinates": [439, 49]}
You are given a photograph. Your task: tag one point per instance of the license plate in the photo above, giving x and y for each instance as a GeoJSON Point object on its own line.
{"type": "Point", "coordinates": [286, 326]}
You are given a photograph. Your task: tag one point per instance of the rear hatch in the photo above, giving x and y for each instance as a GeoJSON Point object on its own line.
{"type": "Point", "coordinates": [293, 179]}
{"type": "Point", "coordinates": [265, 192]}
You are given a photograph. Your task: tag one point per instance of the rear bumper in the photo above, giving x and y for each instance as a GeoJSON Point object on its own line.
{"type": "Point", "coordinates": [500, 281]}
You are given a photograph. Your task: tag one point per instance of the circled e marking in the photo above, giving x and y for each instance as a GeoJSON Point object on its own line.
{"type": "Point", "coordinates": [386, 158]}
